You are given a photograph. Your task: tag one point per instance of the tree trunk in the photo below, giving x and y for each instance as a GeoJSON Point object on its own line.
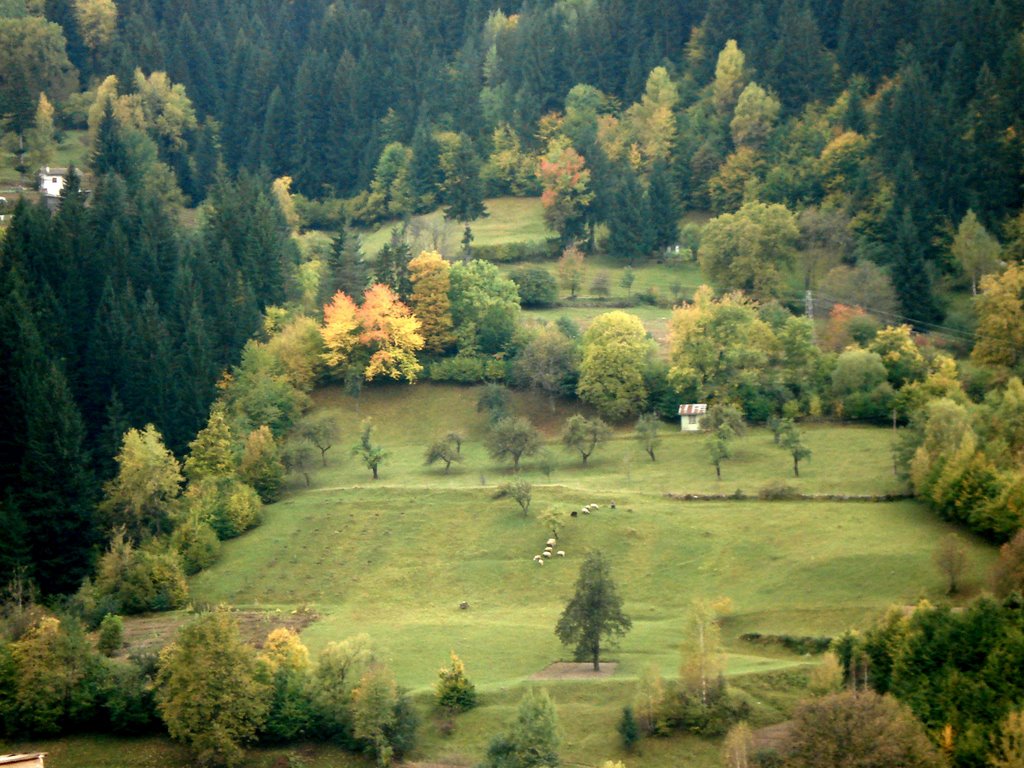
{"type": "Point", "coordinates": [447, 466]}
{"type": "Point", "coordinates": [374, 471]}
{"type": "Point", "coordinates": [323, 454]}
{"type": "Point", "coordinates": [718, 471]}
{"type": "Point", "coordinates": [650, 452]}
{"type": "Point", "coordinates": [585, 457]}
{"type": "Point", "coordinates": [597, 658]}
{"type": "Point", "coordinates": [796, 466]}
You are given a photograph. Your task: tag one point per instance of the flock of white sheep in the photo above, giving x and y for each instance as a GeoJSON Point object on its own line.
{"type": "Point", "coordinates": [549, 548]}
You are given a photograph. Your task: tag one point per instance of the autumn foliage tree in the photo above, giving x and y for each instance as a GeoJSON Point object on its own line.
{"type": "Point", "coordinates": [429, 274]}
{"type": "Point", "coordinates": [339, 331]}
{"type": "Point", "coordinates": [392, 334]}
{"type": "Point", "coordinates": [567, 194]}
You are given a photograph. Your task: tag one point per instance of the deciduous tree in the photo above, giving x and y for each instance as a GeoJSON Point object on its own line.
{"type": "Point", "coordinates": [372, 455]}
{"type": "Point", "coordinates": [976, 250]}
{"type": "Point", "coordinates": [572, 269]}
{"type": "Point", "coordinates": [567, 194]}
{"type": "Point", "coordinates": [391, 332]}
{"type": "Point", "coordinates": [584, 435]}
{"type": "Point", "coordinates": [208, 690]}
{"type": "Point", "coordinates": [750, 249]}
{"type": "Point", "coordinates": [615, 354]}
{"type": "Point", "coordinates": [373, 711]}
{"type": "Point", "coordinates": [445, 450]}
{"type": "Point", "coordinates": [340, 331]}
{"type": "Point", "coordinates": [858, 728]}
{"type": "Point", "coordinates": [951, 560]}
{"type": "Point", "coordinates": [429, 300]}
{"type": "Point", "coordinates": [148, 481]}
{"type": "Point", "coordinates": [512, 437]}
{"type": "Point", "coordinates": [647, 427]}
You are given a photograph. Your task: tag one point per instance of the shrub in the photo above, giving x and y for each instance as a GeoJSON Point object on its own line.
{"type": "Point", "coordinates": [777, 491]}
{"type": "Point", "coordinates": [228, 506]}
{"type": "Point", "coordinates": [467, 368]}
{"type": "Point", "coordinates": [130, 580]}
{"type": "Point", "coordinates": [198, 545]}
{"type": "Point", "coordinates": [454, 690]}
{"type": "Point", "coordinates": [537, 287]}
{"type": "Point", "coordinates": [511, 253]}
{"type": "Point", "coordinates": [111, 634]}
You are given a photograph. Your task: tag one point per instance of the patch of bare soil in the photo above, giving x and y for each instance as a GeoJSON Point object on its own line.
{"type": "Point", "coordinates": [148, 634]}
{"type": "Point", "coordinates": [570, 670]}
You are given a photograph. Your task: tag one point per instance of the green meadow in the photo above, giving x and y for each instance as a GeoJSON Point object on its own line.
{"type": "Point", "coordinates": [395, 558]}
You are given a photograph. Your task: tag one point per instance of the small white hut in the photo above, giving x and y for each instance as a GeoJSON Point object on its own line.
{"type": "Point", "coordinates": [33, 760]}
{"type": "Point", "coordinates": [689, 416]}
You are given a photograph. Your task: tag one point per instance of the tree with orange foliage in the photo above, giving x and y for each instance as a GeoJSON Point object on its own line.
{"type": "Point", "coordinates": [837, 333]}
{"type": "Point", "coordinates": [429, 274]}
{"type": "Point", "coordinates": [566, 196]}
{"type": "Point", "coordinates": [391, 332]}
{"type": "Point", "coordinates": [340, 331]}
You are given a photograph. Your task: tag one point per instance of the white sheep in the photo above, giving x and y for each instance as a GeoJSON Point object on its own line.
{"type": "Point", "coordinates": [560, 553]}
{"type": "Point", "coordinates": [585, 510]}
{"type": "Point", "coordinates": [549, 548]}
{"type": "Point", "coordinates": [552, 542]}
{"type": "Point", "coordinates": [537, 558]}
{"type": "Point", "coordinates": [540, 562]}
{"type": "Point", "coordinates": [547, 554]}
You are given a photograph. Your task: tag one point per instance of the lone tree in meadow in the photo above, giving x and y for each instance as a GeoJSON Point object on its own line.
{"type": "Point", "coordinates": [372, 455]}
{"type": "Point", "coordinates": [647, 427]}
{"type": "Point", "coordinates": [792, 441]}
{"type": "Point", "coordinates": [584, 435]}
{"type": "Point", "coordinates": [512, 437]}
{"type": "Point", "coordinates": [951, 560]}
{"type": "Point", "coordinates": [718, 447]}
{"type": "Point", "coordinates": [444, 449]}
{"type": "Point", "coordinates": [594, 613]}
{"type": "Point", "coordinates": [320, 430]}
{"type": "Point", "coordinates": [520, 491]}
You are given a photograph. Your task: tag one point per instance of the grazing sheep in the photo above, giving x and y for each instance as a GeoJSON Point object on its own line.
{"type": "Point", "coordinates": [585, 510]}
{"type": "Point", "coordinates": [537, 558]}
{"type": "Point", "coordinates": [540, 562]}
{"type": "Point", "coordinates": [574, 513]}
{"type": "Point", "coordinates": [547, 554]}
{"type": "Point", "coordinates": [552, 542]}
{"type": "Point", "coordinates": [612, 505]}
{"type": "Point", "coordinates": [464, 605]}
{"type": "Point", "coordinates": [595, 506]}
{"type": "Point", "coordinates": [560, 553]}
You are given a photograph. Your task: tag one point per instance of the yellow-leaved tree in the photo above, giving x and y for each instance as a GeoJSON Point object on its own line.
{"type": "Point", "coordinates": [391, 332]}
{"type": "Point", "coordinates": [431, 281]}
{"type": "Point", "coordinates": [340, 332]}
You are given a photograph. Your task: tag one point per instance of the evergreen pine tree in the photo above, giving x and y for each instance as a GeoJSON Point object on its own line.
{"type": "Point", "coordinates": [345, 270]}
{"type": "Point", "coordinates": [664, 208]}
{"type": "Point", "coordinates": [909, 274]}
{"type": "Point", "coordinates": [630, 234]}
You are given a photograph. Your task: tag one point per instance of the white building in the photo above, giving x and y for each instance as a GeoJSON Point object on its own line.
{"type": "Point", "coordinates": [34, 760]}
{"type": "Point", "coordinates": [689, 416]}
{"type": "Point", "coordinates": [52, 181]}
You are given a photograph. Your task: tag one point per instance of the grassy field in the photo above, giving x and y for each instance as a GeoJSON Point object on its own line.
{"type": "Point", "coordinates": [71, 150]}
{"type": "Point", "coordinates": [509, 220]}
{"type": "Point", "coordinates": [394, 558]}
